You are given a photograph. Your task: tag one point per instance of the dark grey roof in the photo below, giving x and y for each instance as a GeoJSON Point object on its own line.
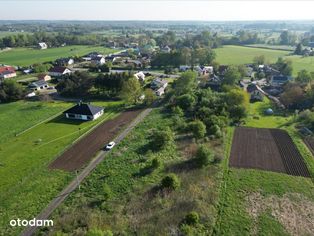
{"type": "Point", "coordinates": [84, 109]}
{"type": "Point", "coordinates": [38, 83]}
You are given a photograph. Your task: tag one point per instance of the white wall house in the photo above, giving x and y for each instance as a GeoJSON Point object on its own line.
{"type": "Point", "coordinates": [42, 45]}
{"type": "Point", "coordinates": [83, 111]}
{"type": "Point", "coordinates": [140, 76]}
{"type": "Point", "coordinates": [59, 71]}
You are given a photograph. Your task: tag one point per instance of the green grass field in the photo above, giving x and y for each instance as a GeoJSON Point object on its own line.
{"type": "Point", "coordinates": [255, 202]}
{"type": "Point", "coordinates": [242, 55]}
{"type": "Point", "coordinates": [28, 56]}
{"type": "Point", "coordinates": [26, 185]}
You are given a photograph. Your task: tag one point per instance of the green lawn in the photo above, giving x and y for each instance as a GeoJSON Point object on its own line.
{"type": "Point", "coordinates": [26, 185]}
{"type": "Point", "coordinates": [28, 56]}
{"type": "Point", "coordinates": [241, 55]}
{"type": "Point", "coordinates": [261, 202]}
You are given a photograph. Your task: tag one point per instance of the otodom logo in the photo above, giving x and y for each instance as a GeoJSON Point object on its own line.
{"type": "Point", "coordinates": [33, 222]}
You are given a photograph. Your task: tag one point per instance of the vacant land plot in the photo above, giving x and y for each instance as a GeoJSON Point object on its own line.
{"type": "Point", "coordinates": [266, 149]}
{"type": "Point", "coordinates": [242, 55]}
{"type": "Point", "coordinates": [83, 151]}
{"type": "Point", "coordinates": [29, 56]}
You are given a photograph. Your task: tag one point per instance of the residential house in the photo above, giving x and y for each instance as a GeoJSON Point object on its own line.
{"type": "Point", "coordinates": [38, 85]}
{"type": "Point", "coordinates": [184, 68]}
{"type": "Point", "coordinates": [140, 76]}
{"type": "Point", "coordinates": [99, 60]}
{"type": "Point", "coordinates": [279, 80]}
{"type": "Point", "coordinates": [214, 82]}
{"type": "Point", "coordinates": [64, 62]}
{"type": "Point", "coordinates": [59, 71]}
{"type": "Point", "coordinates": [91, 56]}
{"type": "Point", "coordinates": [160, 91]}
{"type": "Point", "coordinates": [159, 83]}
{"type": "Point", "coordinates": [42, 45]}
{"type": "Point", "coordinates": [222, 69]}
{"type": "Point", "coordinates": [44, 77]}
{"type": "Point", "coordinates": [84, 111]}
{"type": "Point", "coordinates": [166, 49]}
{"type": "Point", "coordinates": [7, 72]}
{"type": "Point", "coordinates": [204, 70]}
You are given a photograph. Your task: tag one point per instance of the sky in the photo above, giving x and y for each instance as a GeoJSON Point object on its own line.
{"type": "Point", "coordinates": [206, 10]}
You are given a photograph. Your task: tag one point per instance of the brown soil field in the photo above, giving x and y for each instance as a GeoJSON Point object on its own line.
{"type": "Point", "coordinates": [85, 149]}
{"type": "Point", "coordinates": [266, 149]}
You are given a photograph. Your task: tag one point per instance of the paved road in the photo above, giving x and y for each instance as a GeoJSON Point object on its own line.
{"type": "Point", "coordinates": [82, 175]}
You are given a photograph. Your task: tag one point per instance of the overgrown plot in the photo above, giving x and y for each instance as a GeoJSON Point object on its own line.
{"type": "Point", "coordinates": [266, 149]}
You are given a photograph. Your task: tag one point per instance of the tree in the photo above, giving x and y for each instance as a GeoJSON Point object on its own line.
{"type": "Point", "coordinates": [284, 66]}
{"type": "Point", "coordinates": [298, 50]}
{"type": "Point", "coordinates": [238, 102]}
{"type": "Point", "coordinates": [76, 84]}
{"type": "Point", "coordinates": [171, 181]}
{"type": "Point", "coordinates": [293, 95]}
{"type": "Point", "coordinates": [39, 68]}
{"type": "Point", "coordinates": [232, 76]}
{"type": "Point", "coordinates": [204, 156]}
{"type": "Point", "coordinates": [10, 91]}
{"type": "Point", "coordinates": [259, 60]}
{"type": "Point", "coordinates": [304, 77]}
{"type": "Point", "coordinates": [160, 139]}
{"type": "Point", "coordinates": [198, 129]}
{"type": "Point", "coordinates": [186, 102]}
{"type": "Point", "coordinates": [186, 83]}
{"type": "Point", "coordinates": [150, 96]}
{"type": "Point", "coordinates": [131, 91]}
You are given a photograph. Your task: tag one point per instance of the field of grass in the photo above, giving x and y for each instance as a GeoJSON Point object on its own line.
{"type": "Point", "coordinates": [29, 56]}
{"type": "Point", "coordinates": [135, 206]}
{"type": "Point", "coordinates": [26, 185]}
{"type": "Point", "coordinates": [241, 55]}
{"type": "Point", "coordinates": [255, 202]}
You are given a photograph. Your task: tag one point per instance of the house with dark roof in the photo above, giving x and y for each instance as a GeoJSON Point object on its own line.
{"type": "Point", "coordinates": [84, 111]}
{"type": "Point", "coordinates": [99, 60]}
{"type": "Point", "coordinates": [279, 80]}
{"type": "Point", "coordinates": [38, 85]}
{"type": "Point", "coordinates": [64, 62]}
{"type": "Point", "coordinates": [59, 71]}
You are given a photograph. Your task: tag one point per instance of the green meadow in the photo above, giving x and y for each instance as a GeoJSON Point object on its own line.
{"type": "Point", "coordinates": [26, 185]}
{"type": "Point", "coordinates": [29, 56]}
{"type": "Point", "coordinates": [242, 55]}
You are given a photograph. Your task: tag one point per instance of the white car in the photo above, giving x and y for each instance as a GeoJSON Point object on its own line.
{"type": "Point", "coordinates": [110, 145]}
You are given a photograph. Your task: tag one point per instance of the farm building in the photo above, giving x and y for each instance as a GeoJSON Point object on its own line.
{"type": "Point", "coordinates": [84, 111]}
{"type": "Point", "coordinates": [38, 85]}
{"type": "Point", "coordinates": [140, 76]}
{"type": "Point", "coordinates": [42, 45]}
{"type": "Point", "coordinates": [59, 71]}
{"type": "Point", "coordinates": [280, 80]}
{"type": "Point", "coordinates": [44, 77]}
{"type": "Point", "coordinates": [7, 72]}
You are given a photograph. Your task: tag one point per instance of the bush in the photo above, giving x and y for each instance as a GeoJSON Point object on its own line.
{"type": "Point", "coordinates": [156, 163]}
{"type": "Point", "coordinates": [107, 193]}
{"type": "Point", "coordinates": [177, 111]}
{"type": "Point", "coordinates": [198, 129]}
{"type": "Point", "coordinates": [171, 181]}
{"type": "Point", "coordinates": [161, 139]}
{"type": "Point", "coordinates": [204, 156]}
{"type": "Point", "coordinates": [98, 232]}
{"type": "Point", "coordinates": [192, 218]}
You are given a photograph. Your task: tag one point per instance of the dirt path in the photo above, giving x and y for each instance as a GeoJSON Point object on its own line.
{"type": "Point", "coordinates": [82, 175]}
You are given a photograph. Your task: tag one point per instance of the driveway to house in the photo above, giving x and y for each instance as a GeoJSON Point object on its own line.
{"type": "Point", "coordinates": [30, 230]}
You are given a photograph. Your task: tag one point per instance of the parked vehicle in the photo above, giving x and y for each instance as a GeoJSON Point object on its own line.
{"type": "Point", "coordinates": [110, 145]}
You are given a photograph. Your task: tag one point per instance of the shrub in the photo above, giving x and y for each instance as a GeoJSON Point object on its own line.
{"type": "Point", "coordinates": [156, 163]}
{"type": "Point", "coordinates": [107, 193]}
{"type": "Point", "coordinates": [162, 138]}
{"type": "Point", "coordinates": [198, 129]}
{"type": "Point", "coordinates": [204, 156]}
{"type": "Point", "coordinates": [171, 181]}
{"type": "Point", "coordinates": [177, 111]}
{"type": "Point", "coordinates": [192, 218]}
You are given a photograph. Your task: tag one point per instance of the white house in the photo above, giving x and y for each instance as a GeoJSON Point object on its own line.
{"type": "Point", "coordinates": [44, 77]}
{"type": "Point", "coordinates": [204, 70]}
{"type": "Point", "coordinates": [64, 61]}
{"type": "Point", "coordinates": [42, 45]}
{"type": "Point", "coordinates": [158, 83]}
{"type": "Point", "coordinates": [140, 76]}
{"type": "Point", "coordinates": [38, 85]}
{"type": "Point", "coordinates": [84, 111]}
{"type": "Point", "coordinates": [59, 71]}
{"type": "Point", "coordinates": [160, 91]}
{"type": "Point", "coordinates": [99, 60]}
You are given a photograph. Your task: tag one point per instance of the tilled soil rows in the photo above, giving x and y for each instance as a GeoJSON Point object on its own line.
{"type": "Point", "coordinates": [85, 149]}
{"type": "Point", "coordinates": [266, 149]}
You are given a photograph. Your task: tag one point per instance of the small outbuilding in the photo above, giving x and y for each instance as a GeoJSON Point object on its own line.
{"type": "Point", "coordinates": [84, 111]}
{"type": "Point", "coordinates": [269, 111]}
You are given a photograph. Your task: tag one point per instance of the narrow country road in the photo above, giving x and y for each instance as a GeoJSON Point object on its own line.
{"type": "Point", "coordinates": [82, 175]}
